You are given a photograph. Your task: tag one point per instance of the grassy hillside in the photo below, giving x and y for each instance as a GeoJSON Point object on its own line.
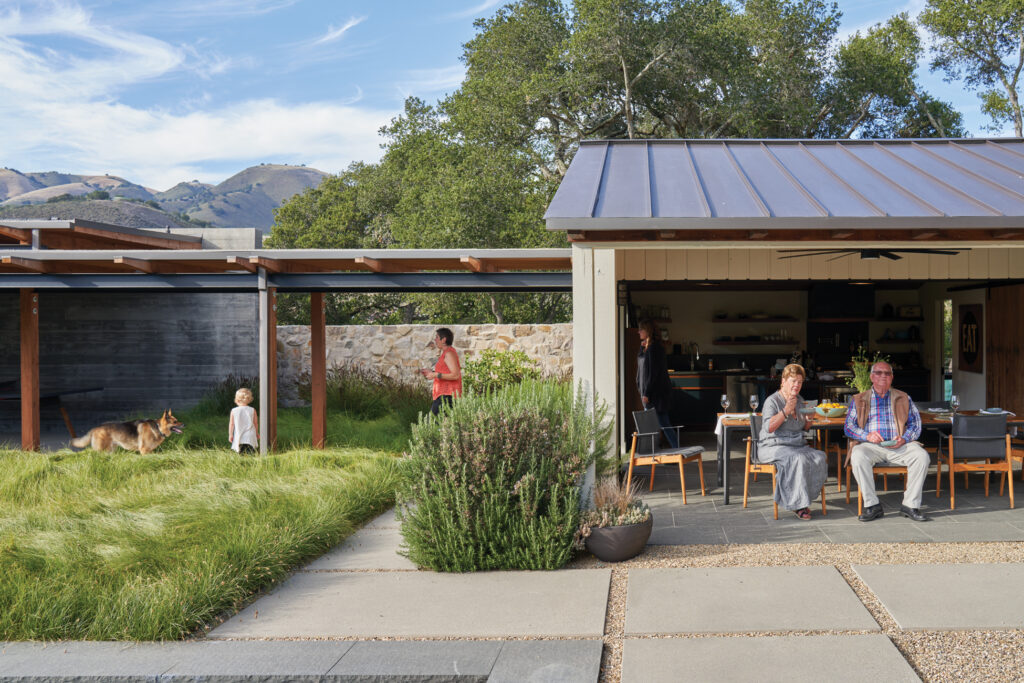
{"type": "Point", "coordinates": [128, 214]}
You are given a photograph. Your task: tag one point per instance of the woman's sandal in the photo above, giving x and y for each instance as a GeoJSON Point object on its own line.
{"type": "Point", "coordinates": [804, 513]}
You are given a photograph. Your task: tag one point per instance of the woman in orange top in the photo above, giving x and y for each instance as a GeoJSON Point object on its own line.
{"type": "Point", "coordinates": [447, 373]}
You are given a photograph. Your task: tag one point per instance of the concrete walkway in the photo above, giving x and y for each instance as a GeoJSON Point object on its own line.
{"type": "Point", "coordinates": [363, 613]}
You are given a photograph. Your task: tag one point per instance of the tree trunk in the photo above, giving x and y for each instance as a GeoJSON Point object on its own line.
{"type": "Point", "coordinates": [499, 318]}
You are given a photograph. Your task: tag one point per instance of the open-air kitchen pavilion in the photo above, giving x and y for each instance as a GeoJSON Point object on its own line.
{"type": "Point", "coordinates": [698, 234]}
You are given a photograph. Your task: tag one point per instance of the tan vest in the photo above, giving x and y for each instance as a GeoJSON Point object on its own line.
{"type": "Point", "coordinates": [900, 407]}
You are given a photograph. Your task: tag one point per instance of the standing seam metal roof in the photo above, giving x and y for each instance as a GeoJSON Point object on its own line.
{"type": "Point", "coordinates": [683, 183]}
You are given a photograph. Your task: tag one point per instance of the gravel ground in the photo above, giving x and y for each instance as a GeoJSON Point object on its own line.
{"type": "Point", "coordinates": [963, 656]}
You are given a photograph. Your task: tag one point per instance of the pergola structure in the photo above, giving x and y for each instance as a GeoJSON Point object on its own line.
{"type": "Point", "coordinates": [137, 263]}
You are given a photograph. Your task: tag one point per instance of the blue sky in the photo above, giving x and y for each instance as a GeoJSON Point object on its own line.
{"type": "Point", "coordinates": [160, 92]}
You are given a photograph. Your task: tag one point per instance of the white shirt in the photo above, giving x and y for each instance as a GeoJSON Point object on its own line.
{"type": "Point", "coordinates": [245, 428]}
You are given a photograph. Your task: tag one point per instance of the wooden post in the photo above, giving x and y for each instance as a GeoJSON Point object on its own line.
{"type": "Point", "coordinates": [29, 324]}
{"type": "Point", "coordinates": [318, 367]}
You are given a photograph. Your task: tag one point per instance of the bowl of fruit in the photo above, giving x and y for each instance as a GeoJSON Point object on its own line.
{"type": "Point", "coordinates": [831, 409]}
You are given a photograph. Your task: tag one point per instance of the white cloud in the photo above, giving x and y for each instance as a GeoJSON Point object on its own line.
{"type": "Point", "coordinates": [334, 33]}
{"type": "Point", "coordinates": [476, 10]}
{"type": "Point", "coordinates": [421, 82]}
{"type": "Point", "coordinates": [119, 58]}
{"type": "Point", "coordinates": [159, 149]}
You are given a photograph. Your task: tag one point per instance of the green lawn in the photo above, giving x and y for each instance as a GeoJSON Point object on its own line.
{"type": "Point", "coordinates": [131, 547]}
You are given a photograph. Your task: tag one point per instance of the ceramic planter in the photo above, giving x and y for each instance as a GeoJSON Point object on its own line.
{"type": "Point", "coordinates": [618, 543]}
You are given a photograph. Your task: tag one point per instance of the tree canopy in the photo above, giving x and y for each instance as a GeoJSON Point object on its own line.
{"type": "Point", "coordinates": [981, 41]}
{"type": "Point", "coordinates": [478, 168]}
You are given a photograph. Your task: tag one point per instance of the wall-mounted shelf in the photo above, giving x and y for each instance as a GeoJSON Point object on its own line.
{"type": "Point", "coordinates": [755, 320]}
{"type": "Point", "coordinates": [899, 341]}
{"type": "Point", "coordinates": [899, 320]}
{"type": "Point", "coordinates": [779, 343]}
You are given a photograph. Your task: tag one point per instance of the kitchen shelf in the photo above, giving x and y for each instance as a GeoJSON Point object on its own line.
{"type": "Point", "coordinates": [899, 320]}
{"type": "Point", "coordinates": [781, 342]}
{"type": "Point", "coordinates": [754, 320]}
{"type": "Point", "coordinates": [899, 341]}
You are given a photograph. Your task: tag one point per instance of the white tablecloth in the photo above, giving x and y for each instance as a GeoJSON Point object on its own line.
{"type": "Point", "coordinates": [728, 416]}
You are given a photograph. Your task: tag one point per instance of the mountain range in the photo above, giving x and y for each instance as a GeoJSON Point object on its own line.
{"type": "Point", "coordinates": [245, 200]}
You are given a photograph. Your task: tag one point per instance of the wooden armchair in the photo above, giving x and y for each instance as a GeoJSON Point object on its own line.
{"type": "Point", "coordinates": [645, 451]}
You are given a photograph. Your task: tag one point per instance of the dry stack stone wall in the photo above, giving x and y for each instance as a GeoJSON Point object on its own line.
{"type": "Point", "coordinates": [399, 350]}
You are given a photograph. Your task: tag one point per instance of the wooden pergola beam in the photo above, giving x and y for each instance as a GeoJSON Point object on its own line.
{"type": "Point", "coordinates": [140, 265]}
{"type": "Point", "coordinates": [29, 332]}
{"type": "Point", "coordinates": [30, 265]}
{"type": "Point", "coordinates": [478, 265]}
{"type": "Point", "coordinates": [243, 262]}
{"type": "Point", "coordinates": [377, 265]}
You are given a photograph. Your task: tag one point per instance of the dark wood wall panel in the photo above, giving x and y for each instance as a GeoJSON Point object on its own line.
{"type": "Point", "coordinates": [1004, 339]}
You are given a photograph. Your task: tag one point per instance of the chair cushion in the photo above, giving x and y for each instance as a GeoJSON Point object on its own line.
{"type": "Point", "coordinates": [686, 451]}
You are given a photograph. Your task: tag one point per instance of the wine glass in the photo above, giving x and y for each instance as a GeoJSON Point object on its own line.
{"type": "Point", "coordinates": [724, 400]}
{"type": "Point", "coordinates": [753, 403]}
{"type": "Point", "coordinates": [954, 402]}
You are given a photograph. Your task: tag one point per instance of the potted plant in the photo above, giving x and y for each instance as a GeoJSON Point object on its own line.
{"type": "Point", "coordinates": [618, 526]}
{"type": "Point", "coordinates": [861, 366]}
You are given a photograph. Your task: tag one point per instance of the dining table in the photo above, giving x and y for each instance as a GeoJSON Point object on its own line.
{"type": "Point", "coordinates": [823, 428]}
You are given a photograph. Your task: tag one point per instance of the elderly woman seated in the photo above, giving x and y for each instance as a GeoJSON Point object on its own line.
{"type": "Point", "coordinates": [800, 469]}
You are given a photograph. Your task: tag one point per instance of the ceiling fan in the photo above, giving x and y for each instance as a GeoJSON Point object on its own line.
{"type": "Point", "coordinates": [867, 254]}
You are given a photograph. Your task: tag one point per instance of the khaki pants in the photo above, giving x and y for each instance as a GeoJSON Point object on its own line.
{"type": "Point", "coordinates": [911, 455]}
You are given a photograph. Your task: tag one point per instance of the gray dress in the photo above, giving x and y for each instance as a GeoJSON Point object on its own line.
{"type": "Point", "coordinates": [800, 469]}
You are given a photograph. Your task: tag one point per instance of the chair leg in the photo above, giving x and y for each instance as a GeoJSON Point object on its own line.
{"type": "Point", "coordinates": [1009, 476]}
{"type": "Point", "coordinates": [952, 488]}
{"type": "Point", "coordinates": [988, 461]}
{"type": "Point", "coordinates": [860, 502]}
{"type": "Point", "coordinates": [824, 510]}
{"type": "Point", "coordinates": [682, 479]}
{"type": "Point", "coordinates": [700, 468]}
{"type": "Point", "coordinates": [848, 468]}
{"type": "Point", "coordinates": [885, 482]}
{"type": "Point", "coordinates": [632, 457]}
{"type": "Point", "coordinates": [775, 503]}
{"type": "Point", "coordinates": [839, 469]}
{"type": "Point", "coordinates": [746, 475]}
{"type": "Point", "coordinates": [938, 476]}
{"type": "Point", "coordinates": [651, 488]}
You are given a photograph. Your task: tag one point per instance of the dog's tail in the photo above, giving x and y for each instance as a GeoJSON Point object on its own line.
{"type": "Point", "coordinates": [82, 441]}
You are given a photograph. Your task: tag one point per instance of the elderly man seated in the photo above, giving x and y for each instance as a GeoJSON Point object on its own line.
{"type": "Point", "coordinates": [883, 425]}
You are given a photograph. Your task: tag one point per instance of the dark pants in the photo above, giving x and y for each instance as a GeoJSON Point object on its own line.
{"type": "Point", "coordinates": [666, 426]}
{"type": "Point", "coordinates": [435, 407]}
{"type": "Point", "coordinates": [246, 449]}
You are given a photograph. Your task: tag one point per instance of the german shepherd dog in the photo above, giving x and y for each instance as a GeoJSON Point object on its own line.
{"type": "Point", "coordinates": [138, 435]}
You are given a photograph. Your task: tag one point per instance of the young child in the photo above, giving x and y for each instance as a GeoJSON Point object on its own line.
{"type": "Point", "coordinates": [243, 426]}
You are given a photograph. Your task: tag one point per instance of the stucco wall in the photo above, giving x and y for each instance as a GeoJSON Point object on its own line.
{"type": "Point", "coordinates": [147, 351]}
{"type": "Point", "coordinates": [399, 350]}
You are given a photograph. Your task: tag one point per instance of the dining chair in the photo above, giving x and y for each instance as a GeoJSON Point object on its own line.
{"type": "Point", "coordinates": [645, 451]}
{"type": "Point", "coordinates": [1016, 453]}
{"type": "Point", "coordinates": [979, 443]}
{"type": "Point", "coordinates": [751, 465]}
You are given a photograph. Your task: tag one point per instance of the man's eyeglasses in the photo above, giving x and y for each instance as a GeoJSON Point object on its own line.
{"type": "Point", "coordinates": [883, 373]}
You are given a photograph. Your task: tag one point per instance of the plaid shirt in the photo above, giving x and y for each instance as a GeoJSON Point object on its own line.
{"type": "Point", "coordinates": [881, 420]}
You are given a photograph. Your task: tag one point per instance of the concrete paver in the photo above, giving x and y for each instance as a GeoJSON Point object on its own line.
{"type": "Point", "coordinates": [445, 661]}
{"type": "Point", "coordinates": [794, 659]}
{"type": "Point", "coordinates": [427, 604]}
{"type": "Point", "coordinates": [742, 600]}
{"type": "Point", "coordinates": [949, 596]}
{"type": "Point", "coordinates": [368, 548]}
{"type": "Point", "coordinates": [548, 661]}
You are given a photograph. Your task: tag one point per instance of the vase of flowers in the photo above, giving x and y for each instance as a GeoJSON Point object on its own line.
{"type": "Point", "coordinates": [618, 526]}
{"type": "Point", "coordinates": [861, 366]}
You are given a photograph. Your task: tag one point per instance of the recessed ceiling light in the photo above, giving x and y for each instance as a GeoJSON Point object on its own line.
{"type": "Point", "coordinates": [862, 283]}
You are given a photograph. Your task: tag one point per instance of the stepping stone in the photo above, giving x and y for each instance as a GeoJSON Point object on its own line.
{"type": "Point", "coordinates": [548, 661]}
{"type": "Point", "coordinates": [742, 600]}
{"type": "Point", "coordinates": [949, 596]}
{"type": "Point", "coordinates": [418, 660]}
{"type": "Point", "coordinates": [569, 603]}
{"type": "Point", "coordinates": [794, 659]}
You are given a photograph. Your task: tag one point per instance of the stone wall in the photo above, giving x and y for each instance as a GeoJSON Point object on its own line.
{"type": "Point", "coordinates": [399, 350]}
